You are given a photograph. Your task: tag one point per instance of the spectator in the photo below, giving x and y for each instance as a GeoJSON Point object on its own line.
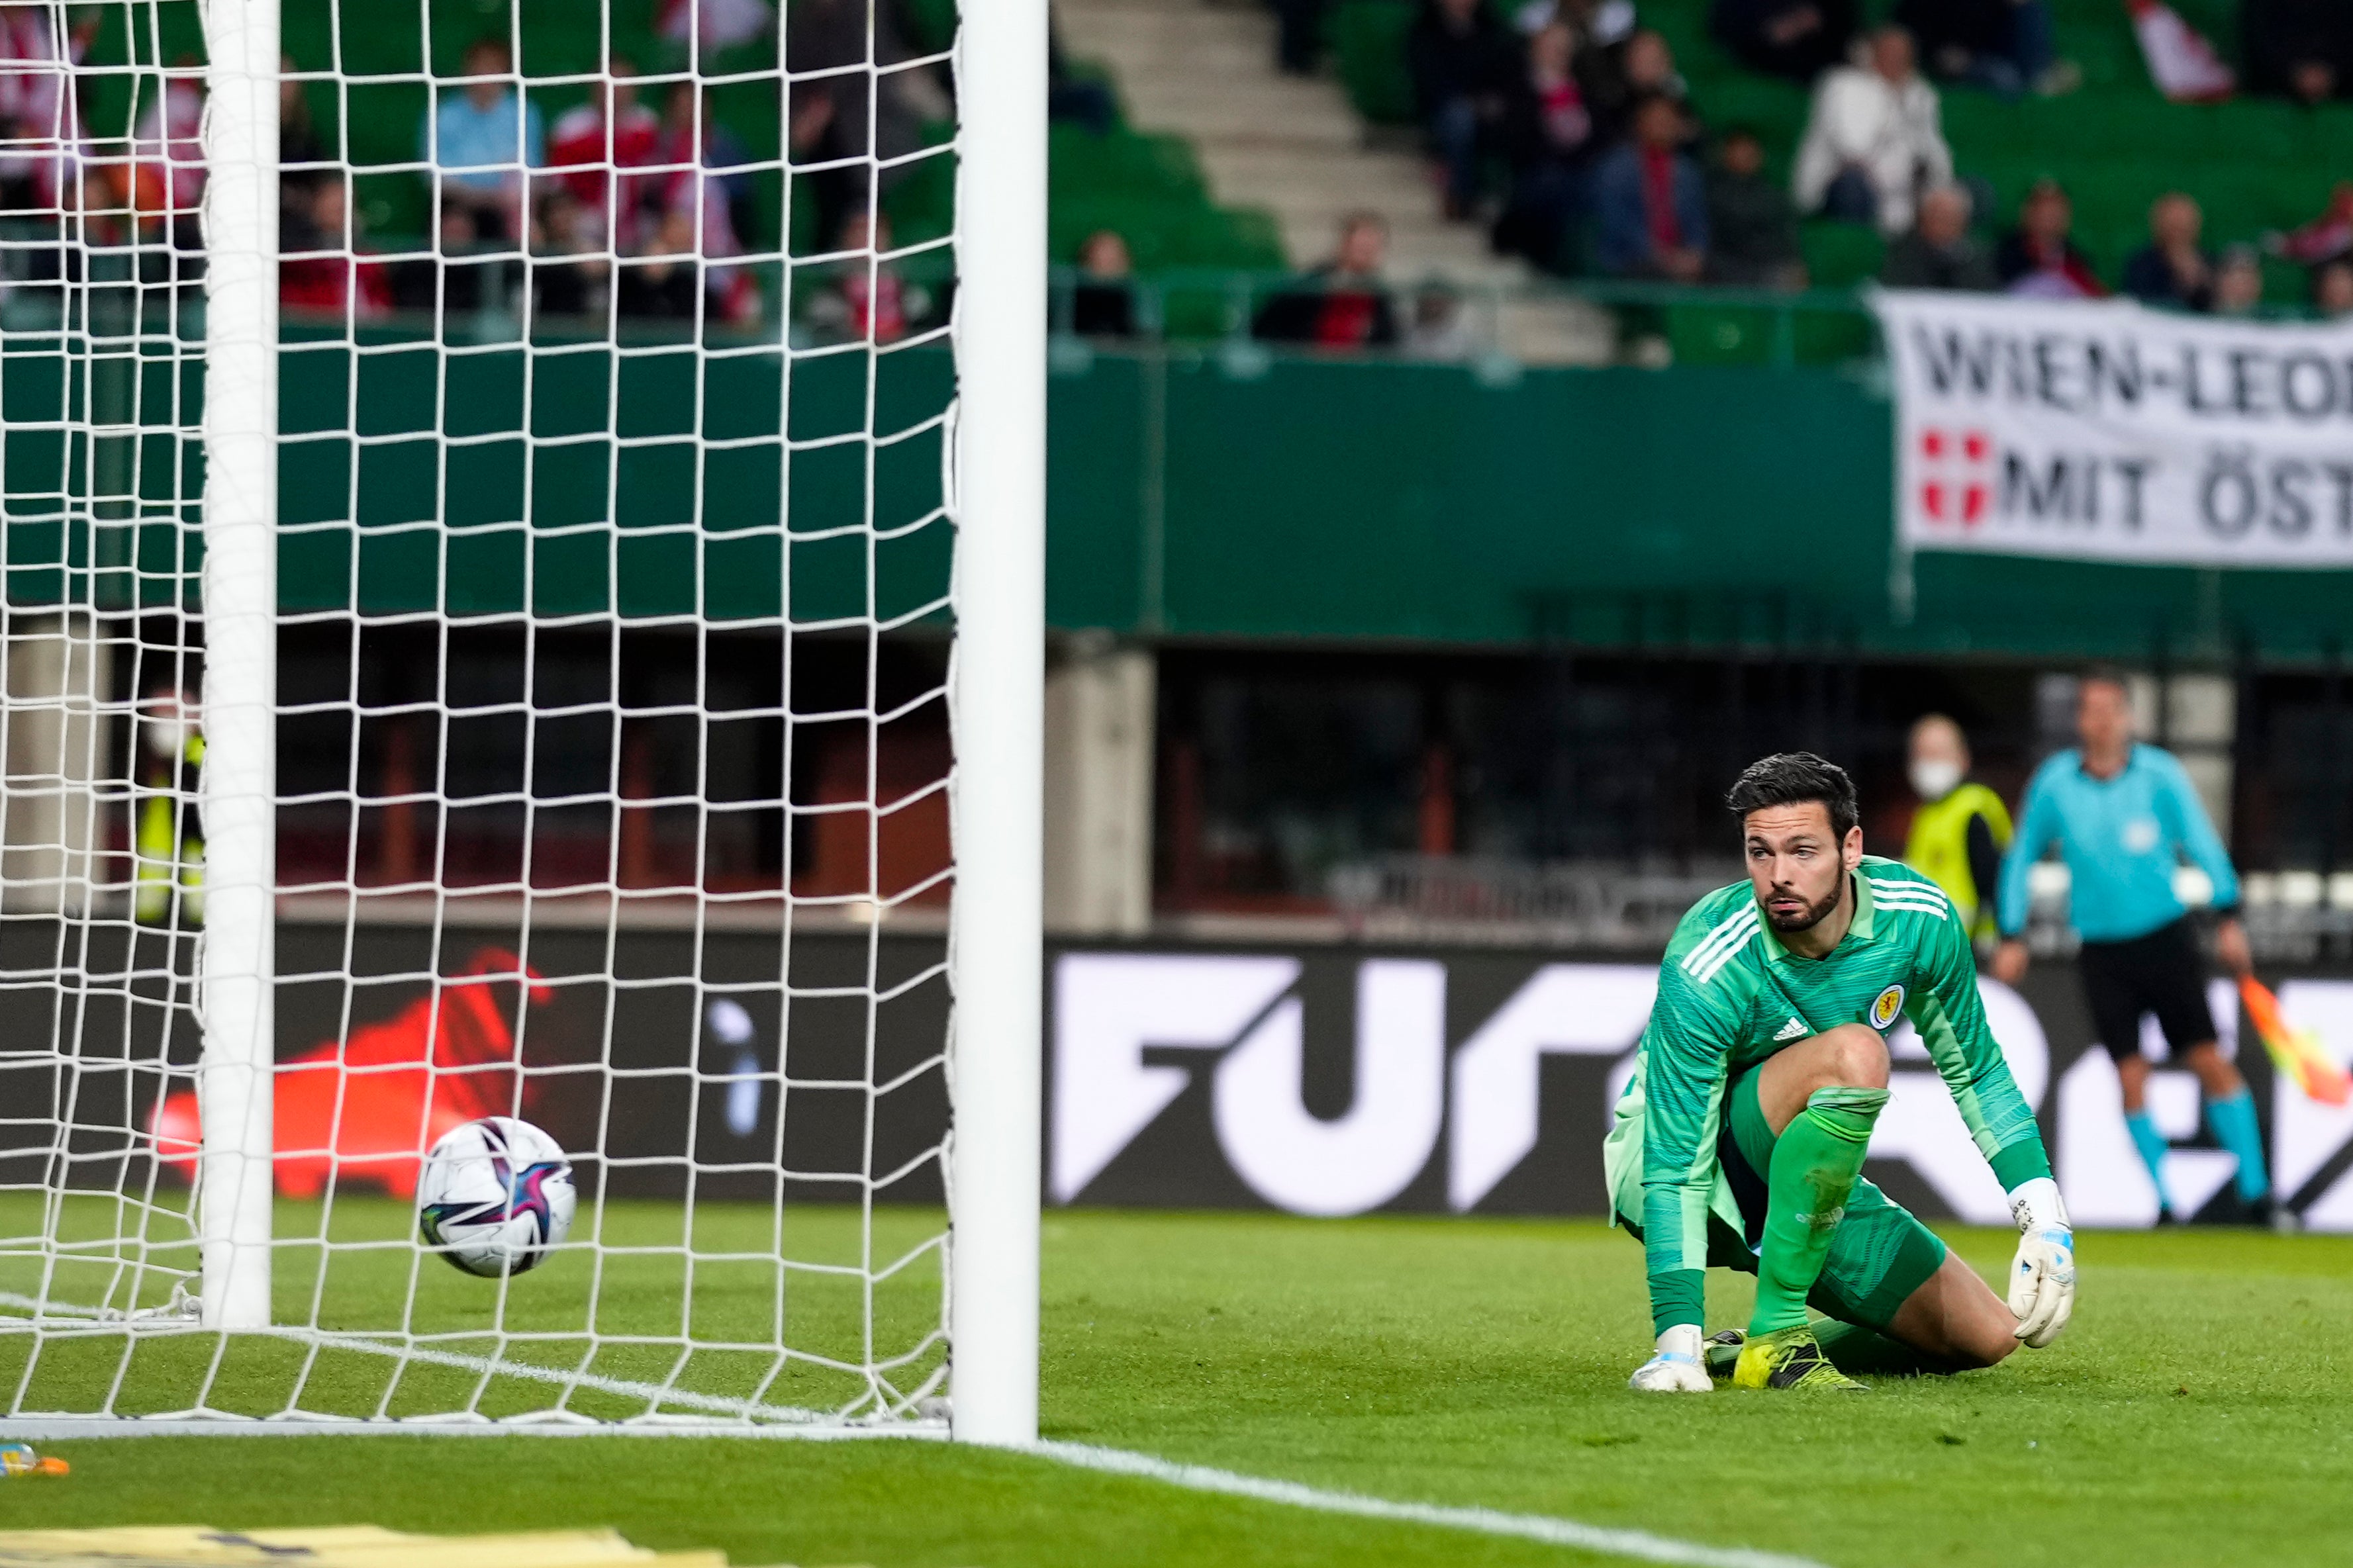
{"type": "Point", "coordinates": [332, 277]}
{"type": "Point", "coordinates": [701, 195]}
{"type": "Point", "coordinates": [2039, 259]}
{"type": "Point", "coordinates": [41, 131]}
{"type": "Point", "coordinates": [298, 144]}
{"type": "Point", "coordinates": [714, 25]}
{"type": "Point", "coordinates": [1796, 38]}
{"type": "Point", "coordinates": [854, 117]}
{"type": "Point", "coordinates": [2001, 46]}
{"type": "Point", "coordinates": [1939, 252]}
{"type": "Point", "coordinates": [1298, 36]}
{"type": "Point", "coordinates": [2332, 290]}
{"type": "Point", "coordinates": [1102, 305]}
{"type": "Point", "coordinates": [1874, 139]}
{"type": "Point", "coordinates": [693, 136]}
{"type": "Point", "coordinates": [2172, 268]}
{"type": "Point", "coordinates": [1072, 99]}
{"type": "Point", "coordinates": [1752, 226]}
{"type": "Point", "coordinates": [1649, 210]}
{"type": "Point", "coordinates": [1463, 61]}
{"type": "Point", "coordinates": [167, 150]}
{"type": "Point", "coordinates": [1438, 331]}
{"type": "Point", "coordinates": [2325, 238]}
{"type": "Point", "coordinates": [2302, 49]}
{"type": "Point", "coordinates": [568, 267]}
{"type": "Point", "coordinates": [664, 283]}
{"type": "Point", "coordinates": [2238, 283]}
{"type": "Point", "coordinates": [459, 279]}
{"type": "Point", "coordinates": [1596, 23]}
{"type": "Point", "coordinates": [484, 141]}
{"type": "Point", "coordinates": [594, 141]}
{"type": "Point", "coordinates": [1642, 67]}
{"type": "Point", "coordinates": [1342, 304]}
{"type": "Point", "coordinates": [869, 301]}
{"type": "Point", "coordinates": [1549, 136]}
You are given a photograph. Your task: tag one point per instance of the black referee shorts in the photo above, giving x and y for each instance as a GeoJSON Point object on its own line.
{"type": "Point", "coordinates": [2163, 972]}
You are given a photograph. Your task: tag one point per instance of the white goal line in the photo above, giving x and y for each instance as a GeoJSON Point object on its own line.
{"type": "Point", "coordinates": [1639, 1544]}
{"type": "Point", "coordinates": [767, 1421]}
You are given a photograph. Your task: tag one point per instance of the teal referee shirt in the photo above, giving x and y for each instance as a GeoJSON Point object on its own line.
{"type": "Point", "coordinates": [2121, 838]}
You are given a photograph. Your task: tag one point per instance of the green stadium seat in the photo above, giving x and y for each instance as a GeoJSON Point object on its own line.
{"type": "Point", "coordinates": [1841, 255]}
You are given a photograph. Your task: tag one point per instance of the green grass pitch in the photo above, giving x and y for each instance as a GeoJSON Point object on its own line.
{"type": "Point", "coordinates": [2197, 1412]}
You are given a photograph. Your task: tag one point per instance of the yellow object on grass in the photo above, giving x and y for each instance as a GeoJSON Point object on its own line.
{"type": "Point", "coordinates": [19, 1459]}
{"type": "Point", "coordinates": [356, 1546]}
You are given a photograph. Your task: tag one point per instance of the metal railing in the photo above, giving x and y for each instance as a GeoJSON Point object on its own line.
{"type": "Point", "coordinates": [1441, 318]}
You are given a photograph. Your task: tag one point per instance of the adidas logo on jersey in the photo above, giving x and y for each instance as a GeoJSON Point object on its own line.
{"type": "Point", "coordinates": [1795, 1029]}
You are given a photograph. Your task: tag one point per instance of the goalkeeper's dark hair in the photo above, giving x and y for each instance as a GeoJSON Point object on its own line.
{"type": "Point", "coordinates": [1793, 778]}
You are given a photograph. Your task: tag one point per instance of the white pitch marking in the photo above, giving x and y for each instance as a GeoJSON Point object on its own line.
{"type": "Point", "coordinates": [790, 1422]}
{"type": "Point", "coordinates": [1636, 1544]}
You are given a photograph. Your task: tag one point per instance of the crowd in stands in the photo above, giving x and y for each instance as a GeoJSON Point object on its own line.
{"type": "Point", "coordinates": [1566, 128]}
{"type": "Point", "coordinates": [636, 201]}
{"type": "Point", "coordinates": [620, 206]}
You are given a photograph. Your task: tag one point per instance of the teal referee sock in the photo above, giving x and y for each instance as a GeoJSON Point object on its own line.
{"type": "Point", "coordinates": [2151, 1144]}
{"type": "Point", "coordinates": [2233, 1121]}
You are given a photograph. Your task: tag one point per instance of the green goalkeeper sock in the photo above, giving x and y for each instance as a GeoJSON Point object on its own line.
{"type": "Point", "coordinates": [1815, 1162]}
{"type": "Point", "coordinates": [1862, 1352]}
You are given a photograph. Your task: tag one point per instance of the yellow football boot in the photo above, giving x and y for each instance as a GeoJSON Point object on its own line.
{"type": "Point", "coordinates": [1790, 1358]}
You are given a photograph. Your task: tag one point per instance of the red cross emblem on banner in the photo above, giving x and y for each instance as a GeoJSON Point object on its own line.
{"type": "Point", "coordinates": [1956, 474]}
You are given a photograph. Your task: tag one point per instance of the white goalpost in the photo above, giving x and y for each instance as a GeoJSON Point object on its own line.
{"type": "Point", "coordinates": [524, 570]}
{"type": "Point", "coordinates": [1000, 723]}
{"type": "Point", "coordinates": [239, 598]}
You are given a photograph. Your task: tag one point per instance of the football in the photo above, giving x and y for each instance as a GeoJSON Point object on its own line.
{"type": "Point", "coordinates": [495, 1197]}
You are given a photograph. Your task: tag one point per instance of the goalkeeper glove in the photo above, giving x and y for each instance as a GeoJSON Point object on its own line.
{"type": "Point", "coordinates": [2042, 1276]}
{"type": "Point", "coordinates": [1676, 1369]}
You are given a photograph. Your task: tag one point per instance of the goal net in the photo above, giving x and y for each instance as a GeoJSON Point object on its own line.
{"type": "Point", "coordinates": [508, 613]}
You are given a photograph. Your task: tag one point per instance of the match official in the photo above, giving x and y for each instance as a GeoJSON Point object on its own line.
{"type": "Point", "coordinates": [1961, 827]}
{"type": "Point", "coordinates": [2123, 814]}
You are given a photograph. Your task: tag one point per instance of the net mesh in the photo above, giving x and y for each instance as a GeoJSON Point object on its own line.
{"type": "Point", "coordinates": [613, 751]}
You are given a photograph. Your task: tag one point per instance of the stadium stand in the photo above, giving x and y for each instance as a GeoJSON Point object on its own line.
{"type": "Point", "coordinates": [1293, 148]}
{"type": "Point", "coordinates": [1147, 188]}
{"type": "Point", "coordinates": [2256, 165]}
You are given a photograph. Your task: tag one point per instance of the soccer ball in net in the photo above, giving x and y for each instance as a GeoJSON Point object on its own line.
{"type": "Point", "coordinates": [495, 1197]}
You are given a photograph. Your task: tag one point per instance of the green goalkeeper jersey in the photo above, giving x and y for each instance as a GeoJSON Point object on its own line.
{"type": "Point", "coordinates": [1730, 995]}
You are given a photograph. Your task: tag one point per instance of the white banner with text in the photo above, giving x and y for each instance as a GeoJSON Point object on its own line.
{"type": "Point", "coordinates": [2110, 432]}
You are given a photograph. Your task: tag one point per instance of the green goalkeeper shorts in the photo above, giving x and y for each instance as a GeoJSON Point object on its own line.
{"type": "Point", "coordinates": [1879, 1255]}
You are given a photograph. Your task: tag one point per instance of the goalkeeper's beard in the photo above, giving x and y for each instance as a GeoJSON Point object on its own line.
{"type": "Point", "coordinates": [1812, 915]}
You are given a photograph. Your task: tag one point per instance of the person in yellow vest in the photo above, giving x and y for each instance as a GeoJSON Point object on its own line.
{"type": "Point", "coordinates": [1961, 828]}
{"type": "Point", "coordinates": [170, 847]}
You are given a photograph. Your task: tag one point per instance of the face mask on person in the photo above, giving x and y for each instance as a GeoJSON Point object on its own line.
{"type": "Point", "coordinates": [1933, 778]}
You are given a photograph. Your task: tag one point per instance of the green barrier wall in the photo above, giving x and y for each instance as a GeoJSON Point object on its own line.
{"type": "Point", "coordinates": [1205, 494]}
{"type": "Point", "coordinates": [496, 514]}
{"type": "Point", "coordinates": [1339, 500]}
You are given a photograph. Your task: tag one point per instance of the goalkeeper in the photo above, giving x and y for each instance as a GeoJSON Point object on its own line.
{"type": "Point", "coordinates": [1740, 1141]}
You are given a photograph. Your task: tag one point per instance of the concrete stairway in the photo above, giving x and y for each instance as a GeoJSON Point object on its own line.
{"type": "Point", "coordinates": [1207, 72]}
